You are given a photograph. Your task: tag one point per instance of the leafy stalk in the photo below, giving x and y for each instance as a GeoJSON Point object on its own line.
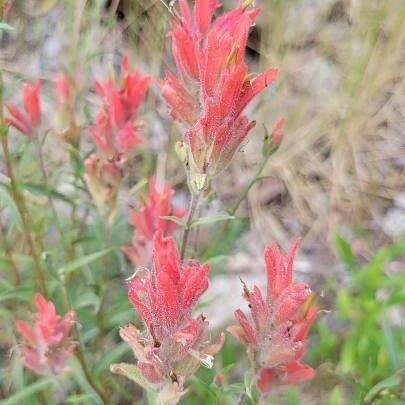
{"type": "Point", "coordinates": [19, 199]}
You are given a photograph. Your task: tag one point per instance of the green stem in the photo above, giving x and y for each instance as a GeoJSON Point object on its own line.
{"type": "Point", "coordinates": [232, 211]}
{"type": "Point", "coordinates": [9, 255]}
{"type": "Point", "coordinates": [50, 200]}
{"type": "Point", "coordinates": [193, 206]}
{"type": "Point", "coordinates": [80, 348]}
{"type": "Point", "coordinates": [20, 201]}
{"type": "Point", "coordinates": [245, 192]}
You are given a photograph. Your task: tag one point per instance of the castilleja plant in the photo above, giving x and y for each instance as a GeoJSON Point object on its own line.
{"type": "Point", "coordinates": [174, 344]}
{"type": "Point", "coordinates": [212, 86]}
{"type": "Point", "coordinates": [148, 218]}
{"type": "Point", "coordinates": [26, 121]}
{"type": "Point", "coordinates": [48, 344]}
{"type": "Point", "coordinates": [115, 133]}
{"type": "Point", "coordinates": [275, 336]}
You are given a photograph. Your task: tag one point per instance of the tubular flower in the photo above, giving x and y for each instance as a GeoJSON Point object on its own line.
{"type": "Point", "coordinates": [147, 220]}
{"type": "Point", "coordinates": [212, 86]}
{"type": "Point", "coordinates": [275, 335]}
{"type": "Point", "coordinates": [174, 344]}
{"type": "Point", "coordinates": [26, 121]}
{"type": "Point", "coordinates": [115, 131]}
{"type": "Point", "coordinates": [47, 345]}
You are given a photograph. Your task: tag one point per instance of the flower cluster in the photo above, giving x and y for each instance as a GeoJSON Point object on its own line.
{"type": "Point", "coordinates": [147, 220]}
{"type": "Point", "coordinates": [174, 344]}
{"type": "Point", "coordinates": [212, 86]}
{"type": "Point", "coordinates": [26, 121]}
{"type": "Point", "coordinates": [275, 338]}
{"type": "Point", "coordinates": [48, 344]}
{"type": "Point", "coordinates": [208, 94]}
{"type": "Point", "coordinates": [114, 132]}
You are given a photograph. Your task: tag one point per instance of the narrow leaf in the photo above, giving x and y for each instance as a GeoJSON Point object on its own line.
{"type": "Point", "coordinates": [5, 27]}
{"type": "Point", "coordinates": [82, 261]}
{"type": "Point", "coordinates": [21, 396]}
{"type": "Point", "coordinates": [212, 219]}
{"type": "Point", "coordinates": [174, 219]}
{"type": "Point", "coordinates": [344, 250]}
{"type": "Point", "coordinates": [110, 357]}
{"type": "Point", "coordinates": [132, 372]}
{"type": "Point", "coordinates": [42, 190]}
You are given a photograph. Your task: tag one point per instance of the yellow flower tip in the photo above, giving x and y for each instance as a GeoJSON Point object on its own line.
{"type": "Point", "coordinates": [246, 4]}
{"type": "Point", "coordinates": [231, 60]}
{"type": "Point", "coordinates": [248, 78]}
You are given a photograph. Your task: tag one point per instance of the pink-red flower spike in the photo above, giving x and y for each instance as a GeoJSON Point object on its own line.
{"type": "Point", "coordinates": [115, 131]}
{"type": "Point", "coordinates": [28, 120]}
{"type": "Point", "coordinates": [147, 220]}
{"type": "Point", "coordinates": [275, 335]}
{"type": "Point", "coordinates": [212, 86]}
{"type": "Point", "coordinates": [174, 344]}
{"type": "Point", "coordinates": [48, 344]}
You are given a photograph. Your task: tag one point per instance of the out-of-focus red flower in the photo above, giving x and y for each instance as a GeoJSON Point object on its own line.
{"type": "Point", "coordinates": [175, 344]}
{"type": "Point", "coordinates": [48, 344]}
{"type": "Point", "coordinates": [212, 86]}
{"type": "Point", "coordinates": [26, 121]}
{"type": "Point", "coordinates": [277, 133]}
{"type": "Point", "coordinates": [115, 131]}
{"type": "Point", "coordinates": [275, 336]}
{"type": "Point", "coordinates": [103, 179]}
{"type": "Point", "coordinates": [6, 9]}
{"type": "Point", "coordinates": [63, 88]}
{"type": "Point", "coordinates": [147, 220]}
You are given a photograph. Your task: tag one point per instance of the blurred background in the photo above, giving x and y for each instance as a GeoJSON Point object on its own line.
{"type": "Point", "coordinates": [337, 179]}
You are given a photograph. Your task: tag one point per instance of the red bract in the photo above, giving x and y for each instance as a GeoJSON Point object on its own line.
{"type": "Point", "coordinates": [147, 220]}
{"type": "Point", "coordinates": [47, 345]}
{"type": "Point", "coordinates": [275, 336]}
{"type": "Point", "coordinates": [63, 88]}
{"type": "Point", "coordinates": [115, 131]}
{"type": "Point", "coordinates": [26, 121]}
{"type": "Point", "coordinates": [213, 86]}
{"type": "Point", "coordinates": [175, 343]}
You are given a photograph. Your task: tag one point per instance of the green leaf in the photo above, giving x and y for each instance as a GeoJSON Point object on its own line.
{"type": "Point", "coordinates": [21, 396]}
{"type": "Point", "coordinates": [80, 399]}
{"type": "Point", "coordinates": [22, 294]}
{"type": "Point", "coordinates": [82, 261]}
{"type": "Point", "coordinates": [6, 201]}
{"type": "Point", "coordinates": [5, 27]}
{"type": "Point", "coordinates": [344, 250]}
{"type": "Point", "coordinates": [132, 372]}
{"type": "Point", "coordinates": [212, 219]}
{"type": "Point", "coordinates": [391, 383]}
{"type": "Point", "coordinates": [110, 357]}
{"type": "Point", "coordinates": [41, 189]}
{"type": "Point", "coordinates": [174, 219]}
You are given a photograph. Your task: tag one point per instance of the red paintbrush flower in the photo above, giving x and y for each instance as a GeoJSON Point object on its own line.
{"type": "Point", "coordinates": [175, 344]}
{"type": "Point", "coordinates": [275, 336]}
{"type": "Point", "coordinates": [63, 88]}
{"type": "Point", "coordinates": [147, 220]}
{"type": "Point", "coordinates": [115, 131]}
{"type": "Point", "coordinates": [48, 344]}
{"type": "Point", "coordinates": [26, 121]}
{"type": "Point", "coordinates": [212, 86]}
